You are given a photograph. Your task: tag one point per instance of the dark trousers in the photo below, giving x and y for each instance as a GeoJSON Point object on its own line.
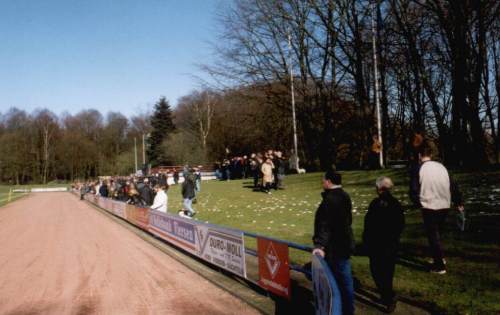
{"type": "Point", "coordinates": [255, 178]}
{"type": "Point", "coordinates": [434, 221]}
{"type": "Point", "coordinates": [267, 187]}
{"type": "Point", "coordinates": [382, 267]}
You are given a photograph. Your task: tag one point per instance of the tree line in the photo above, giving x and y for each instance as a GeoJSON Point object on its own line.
{"type": "Point", "coordinates": [40, 147]}
{"type": "Point", "coordinates": [438, 64]}
{"type": "Point", "coordinates": [439, 75]}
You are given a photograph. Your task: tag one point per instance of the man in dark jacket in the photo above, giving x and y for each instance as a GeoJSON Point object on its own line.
{"type": "Point", "coordinates": [333, 237]}
{"type": "Point", "coordinates": [188, 193]}
{"type": "Point", "coordinates": [103, 190]}
{"type": "Point", "coordinates": [147, 194]}
{"type": "Point", "coordinates": [384, 223]}
{"type": "Point", "coordinates": [280, 169]}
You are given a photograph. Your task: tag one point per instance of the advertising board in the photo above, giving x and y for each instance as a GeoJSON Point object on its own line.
{"type": "Point", "coordinates": [137, 216]}
{"type": "Point", "coordinates": [274, 272]}
{"type": "Point", "coordinates": [49, 189]}
{"type": "Point", "coordinates": [102, 202]}
{"type": "Point", "coordinates": [222, 248]}
{"type": "Point", "coordinates": [118, 208]}
{"type": "Point", "coordinates": [176, 230]}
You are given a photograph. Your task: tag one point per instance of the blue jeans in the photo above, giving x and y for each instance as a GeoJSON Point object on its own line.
{"type": "Point", "coordinates": [341, 269]}
{"type": "Point", "coordinates": [188, 205]}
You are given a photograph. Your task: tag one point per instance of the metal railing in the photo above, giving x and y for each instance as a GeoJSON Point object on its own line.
{"type": "Point", "coordinates": [327, 280]}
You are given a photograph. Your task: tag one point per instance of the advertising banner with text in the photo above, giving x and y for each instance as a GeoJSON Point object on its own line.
{"type": "Point", "coordinates": [173, 229]}
{"type": "Point", "coordinates": [274, 272]}
{"type": "Point", "coordinates": [103, 203]}
{"type": "Point", "coordinates": [138, 216]}
{"type": "Point", "coordinates": [222, 248]}
{"type": "Point", "coordinates": [118, 208]}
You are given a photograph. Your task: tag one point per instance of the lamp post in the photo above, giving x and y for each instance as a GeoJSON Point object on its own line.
{"type": "Point", "coordinates": [135, 153]}
{"type": "Point", "coordinates": [294, 122]}
{"type": "Point", "coordinates": [377, 88]}
{"type": "Point", "coordinates": [143, 150]}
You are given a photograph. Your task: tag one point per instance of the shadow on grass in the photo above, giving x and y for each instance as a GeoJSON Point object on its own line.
{"type": "Point", "coordinates": [369, 296]}
{"type": "Point", "coordinates": [412, 263]}
{"type": "Point", "coordinates": [366, 297]}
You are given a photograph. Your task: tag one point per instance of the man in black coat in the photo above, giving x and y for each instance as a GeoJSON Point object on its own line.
{"type": "Point", "coordinates": [188, 193]}
{"type": "Point", "coordinates": [333, 237]}
{"type": "Point", "coordinates": [103, 190]}
{"type": "Point", "coordinates": [384, 224]}
{"type": "Point", "coordinates": [147, 194]}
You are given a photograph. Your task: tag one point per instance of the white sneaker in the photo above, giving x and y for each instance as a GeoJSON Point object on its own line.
{"type": "Point", "coordinates": [431, 261]}
{"type": "Point", "coordinates": [438, 271]}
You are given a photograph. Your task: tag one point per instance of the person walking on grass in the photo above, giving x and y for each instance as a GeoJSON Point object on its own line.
{"type": "Point", "coordinates": [384, 223]}
{"type": "Point", "coordinates": [433, 191]}
{"type": "Point", "coordinates": [255, 169]}
{"type": "Point", "coordinates": [160, 202]}
{"type": "Point", "coordinates": [83, 191]}
{"type": "Point", "coordinates": [333, 237]}
{"type": "Point", "coordinates": [280, 169]}
{"type": "Point", "coordinates": [267, 175]}
{"type": "Point", "coordinates": [188, 193]}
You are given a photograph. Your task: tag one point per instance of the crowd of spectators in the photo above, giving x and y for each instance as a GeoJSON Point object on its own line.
{"type": "Point", "coordinates": [140, 190]}
{"type": "Point", "coordinates": [267, 169]}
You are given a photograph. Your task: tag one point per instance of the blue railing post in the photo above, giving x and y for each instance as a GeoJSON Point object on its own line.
{"type": "Point", "coordinates": [327, 299]}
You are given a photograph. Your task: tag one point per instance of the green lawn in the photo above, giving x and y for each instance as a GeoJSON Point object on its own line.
{"type": "Point", "coordinates": [472, 285]}
{"type": "Point", "coordinates": [4, 195]}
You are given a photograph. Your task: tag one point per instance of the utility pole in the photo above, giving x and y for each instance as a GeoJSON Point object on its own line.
{"type": "Point", "coordinates": [294, 122]}
{"type": "Point", "coordinates": [143, 151]}
{"type": "Point", "coordinates": [377, 88]}
{"type": "Point", "coordinates": [135, 153]}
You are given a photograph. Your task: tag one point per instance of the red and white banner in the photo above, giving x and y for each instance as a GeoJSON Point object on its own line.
{"type": "Point", "coordinates": [274, 272]}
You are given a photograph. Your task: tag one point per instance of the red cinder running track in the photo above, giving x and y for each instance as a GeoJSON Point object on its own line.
{"type": "Point", "coordinates": [58, 255]}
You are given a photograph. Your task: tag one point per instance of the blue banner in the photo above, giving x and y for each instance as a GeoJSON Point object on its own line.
{"type": "Point", "coordinates": [327, 299]}
{"type": "Point", "coordinates": [173, 229]}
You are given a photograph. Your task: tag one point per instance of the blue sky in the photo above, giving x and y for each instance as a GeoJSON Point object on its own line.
{"type": "Point", "coordinates": [120, 55]}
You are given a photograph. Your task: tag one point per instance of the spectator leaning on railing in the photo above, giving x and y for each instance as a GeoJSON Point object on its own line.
{"type": "Point", "coordinates": [161, 199]}
{"type": "Point", "coordinates": [333, 237]}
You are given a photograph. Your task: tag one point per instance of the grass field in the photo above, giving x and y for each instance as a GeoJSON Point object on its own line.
{"type": "Point", "coordinates": [4, 195]}
{"type": "Point", "coordinates": [472, 285]}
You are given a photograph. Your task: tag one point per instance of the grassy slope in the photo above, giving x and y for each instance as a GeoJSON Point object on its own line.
{"type": "Point", "coordinates": [473, 281]}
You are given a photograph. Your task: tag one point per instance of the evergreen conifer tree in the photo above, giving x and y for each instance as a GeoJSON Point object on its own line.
{"type": "Point", "coordinates": [162, 126]}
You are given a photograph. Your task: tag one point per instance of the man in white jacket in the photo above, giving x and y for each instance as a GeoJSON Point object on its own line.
{"type": "Point", "coordinates": [161, 199]}
{"type": "Point", "coordinates": [433, 191]}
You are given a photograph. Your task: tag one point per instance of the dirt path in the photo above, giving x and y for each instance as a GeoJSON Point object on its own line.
{"type": "Point", "coordinates": [60, 256]}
